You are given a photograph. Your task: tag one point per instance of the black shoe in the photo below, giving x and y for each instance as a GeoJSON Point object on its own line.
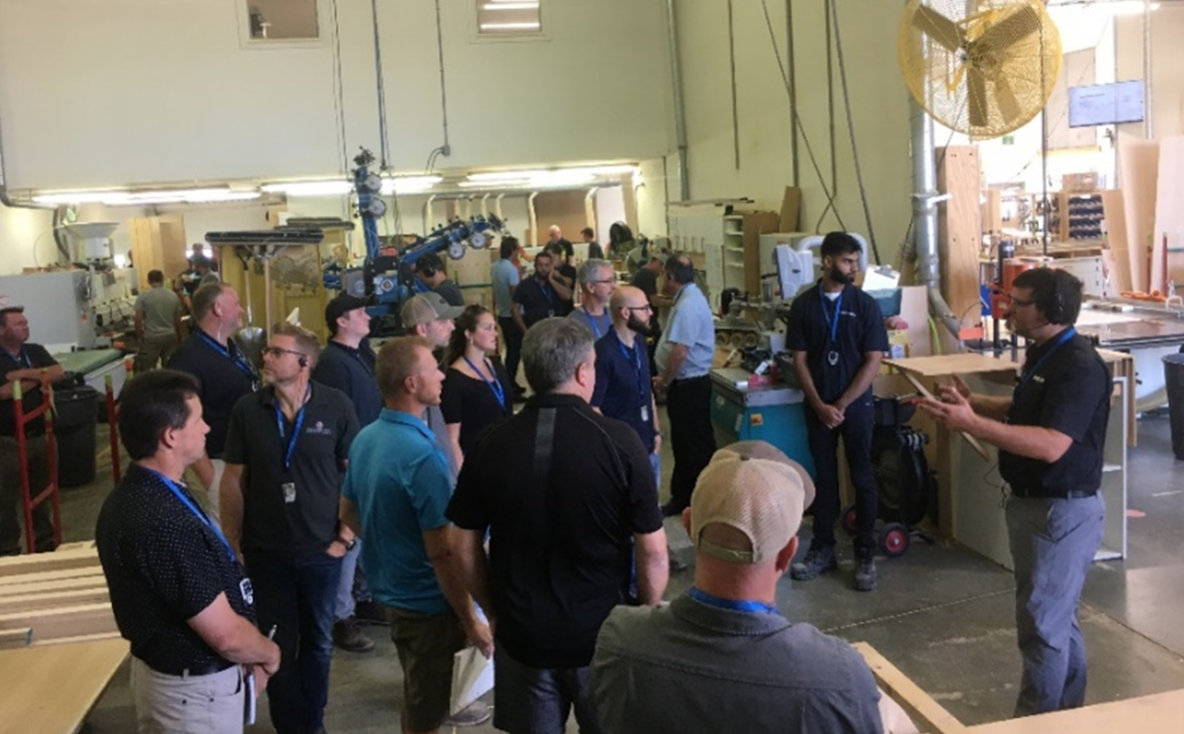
{"type": "Point", "coordinates": [370, 612]}
{"type": "Point", "coordinates": [819, 560]}
{"type": "Point", "coordinates": [348, 637]}
{"type": "Point", "coordinates": [672, 508]}
{"type": "Point", "coordinates": [865, 574]}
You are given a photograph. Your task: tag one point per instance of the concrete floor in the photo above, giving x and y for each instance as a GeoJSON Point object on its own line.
{"type": "Point", "coordinates": [942, 614]}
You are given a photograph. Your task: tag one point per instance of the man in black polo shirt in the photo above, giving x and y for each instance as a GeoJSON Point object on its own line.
{"type": "Point", "coordinates": [837, 336]}
{"type": "Point", "coordinates": [347, 364]}
{"type": "Point", "coordinates": [539, 297]}
{"type": "Point", "coordinates": [21, 361]}
{"type": "Point", "coordinates": [178, 592]}
{"type": "Point", "coordinates": [1050, 433]}
{"type": "Point", "coordinates": [561, 491]}
{"type": "Point", "coordinates": [224, 373]}
{"type": "Point", "coordinates": [286, 451]}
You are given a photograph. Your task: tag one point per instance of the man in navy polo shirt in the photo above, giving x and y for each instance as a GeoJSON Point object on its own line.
{"type": "Point", "coordinates": [837, 337]}
{"type": "Point", "coordinates": [286, 451]}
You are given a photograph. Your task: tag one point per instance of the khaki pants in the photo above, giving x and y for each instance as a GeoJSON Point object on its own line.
{"type": "Point", "coordinates": [155, 350]}
{"type": "Point", "coordinates": [174, 704]}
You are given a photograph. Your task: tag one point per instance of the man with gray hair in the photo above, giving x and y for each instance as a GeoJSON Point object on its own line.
{"type": "Point", "coordinates": [722, 657]}
{"type": "Point", "coordinates": [597, 282]}
{"type": "Point", "coordinates": [562, 492]}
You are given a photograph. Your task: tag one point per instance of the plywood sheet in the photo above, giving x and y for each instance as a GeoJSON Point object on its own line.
{"type": "Point", "coordinates": [1169, 212]}
{"type": "Point", "coordinates": [960, 229]}
{"type": "Point", "coordinates": [49, 690]}
{"type": "Point", "coordinates": [925, 712]}
{"type": "Point", "coordinates": [952, 364]}
{"type": "Point", "coordinates": [1138, 166]}
{"type": "Point", "coordinates": [1156, 713]}
{"type": "Point", "coordinates": [1116, 234]}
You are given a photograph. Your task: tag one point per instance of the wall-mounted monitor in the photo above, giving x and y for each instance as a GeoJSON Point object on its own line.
{"type": "Point", "coordinates": [1106, 104]}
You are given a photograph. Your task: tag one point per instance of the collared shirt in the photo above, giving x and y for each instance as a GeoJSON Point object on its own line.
{"type": "Point", "coordinates": [560, 549]}
{"type": "Point", "coordinates": [1068, 392]}
{"type": "Point", "coordinates": [30, 356]}
{"type": "Point", "coordinates": [307, 523]}
{"type": "Point", "coordinates": [160, 307]}
{"type": "Point", "coordinates": [538, 301]}
{"type": "Point", "coordinates": [400, 482]}
{"type": "Point", "coordinates": [692, 325]}
{"type": "Point", "coordinates": [598, 325]}
{"type": "Point", "coordinates": [857, 328]}
{"type": "Point", "coordinates": [623, 386]}
{"type": "Point", "coordinates": [505, 277]}
{"type": "Point", "coordinates": [693, 667]}
{"type": "Point", "coordinates": [164, 565]}
{"type": "Point", "coordinates": [221, 384]}
{"type": "Point", "coordinates": [352, 372]}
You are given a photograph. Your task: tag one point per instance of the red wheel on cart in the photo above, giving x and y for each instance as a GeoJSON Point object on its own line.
{"type": "Point", "coordinates": [847, 520]}
{"type": "Point", "coordinates": [894, 541]}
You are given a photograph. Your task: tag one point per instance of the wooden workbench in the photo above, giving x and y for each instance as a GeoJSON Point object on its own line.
{"type": "Point", "coordinates": [49, 689]}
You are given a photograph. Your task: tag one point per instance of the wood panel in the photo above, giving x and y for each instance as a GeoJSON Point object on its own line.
{"type": "Point", "coordinates": [1169, 212]}
{"type": "Point", "coordinates": [1138, 166]}
{"type": "Point", "coordinates": [1116, 235]}
{"type": "Point", "coordinates": [158, 243]}
{"type": "Point", "coordinates": [925, 712]}
{"type": "Point", "coordinates": [1153, 713]}
{"type": "Point", "coordinates": [960, 229]}
{"type": "Point", "coordinates": [50, 690]}
{"type": "Point", "coordinates": [755, 224]}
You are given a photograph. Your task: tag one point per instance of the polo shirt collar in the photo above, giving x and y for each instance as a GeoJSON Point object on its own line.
{"type": "Point", "coordinates": [556, 400]}
{"type": "Point", "coordinates": [268, 394]}
{"type": "Point", "coordinates": [406, 419]}
{"type": "Point", "coordinates": [726, 621]}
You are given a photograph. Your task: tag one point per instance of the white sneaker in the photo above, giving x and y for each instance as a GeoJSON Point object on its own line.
{"type": "Point", "coordinates": [475, 714]}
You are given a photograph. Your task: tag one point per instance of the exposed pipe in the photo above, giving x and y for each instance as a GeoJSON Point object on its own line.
{"type": "Point", "coordinates": [383, 139]}
{"type": "Point", "coordinates": [497, 206]}
{"type": "Point", "coordinates": [793, 91]}
{"type": "Point", "coordinates": [484, 205]}
{"type": "Point", "coordinates": [429, 214]}
{"type": "Point", "coordinates": [680, 115]}
{"type": "Point", "coordinates": [1148, 123]}
{"type": "Point", "coordinates": [925, 217]}
{"type": "Point", "coordinates": [446, 149]}
{"type": "Point", "coordinates": [590, 209]}
{"type": "Point", "coordinates": [534, 217]}
{"type": "Point", "coordinates": [735, 101]}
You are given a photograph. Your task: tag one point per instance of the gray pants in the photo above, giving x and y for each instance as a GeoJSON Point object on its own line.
{"type": "Point", "coordinates": [155, 350]}
{"type": "Point", "coordinates": [1053, 542]}
{"type": "Point", "coordinates": [174, 704]}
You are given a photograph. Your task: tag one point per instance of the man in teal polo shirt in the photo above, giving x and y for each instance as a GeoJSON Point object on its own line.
{"type": "Point", "coordinates": [395, 493]}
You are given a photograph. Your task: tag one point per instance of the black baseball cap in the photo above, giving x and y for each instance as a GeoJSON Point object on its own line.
{"type": "Point", "coordinates": [341, 305]}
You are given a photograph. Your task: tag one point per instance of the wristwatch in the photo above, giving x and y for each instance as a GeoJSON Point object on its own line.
{"type": "Point", "coordinates": [348, 546]}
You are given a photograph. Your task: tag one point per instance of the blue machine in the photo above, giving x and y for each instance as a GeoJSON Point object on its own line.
{"type": "Point", "coordinates": [387, 276]}
{"type": "Point", "coordinates": [772, 413]}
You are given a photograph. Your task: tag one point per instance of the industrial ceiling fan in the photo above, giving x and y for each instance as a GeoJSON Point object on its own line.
{"type": "Point", "coordinates": [981, 67]}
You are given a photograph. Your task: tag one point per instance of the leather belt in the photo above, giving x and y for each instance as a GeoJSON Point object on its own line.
{"type": "Point", "coordinates": [1072, 494]}
{"type": "Point", "coordinates": [196, 670]}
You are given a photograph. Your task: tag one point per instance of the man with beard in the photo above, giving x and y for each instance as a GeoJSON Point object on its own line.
{"type": "Point", "coordinates": [539, 297]}
{"type": "Point", "coordinates": [837, 337]}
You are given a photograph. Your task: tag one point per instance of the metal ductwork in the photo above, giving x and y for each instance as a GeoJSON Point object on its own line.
{"type": "Point", "coordinates": [925, 198]}
{"type": "Point", "coordinates": [680, 115]}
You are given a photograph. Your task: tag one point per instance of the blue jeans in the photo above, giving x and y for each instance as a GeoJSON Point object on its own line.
{"type": "Point", "coordinates": [656, 463]}
{"type": "Point", "coordinates": [297, 594]}
{"type": "Point", "coordinates": [352, 587]}
{"type": "Point", "coordinates": [1053, 542]}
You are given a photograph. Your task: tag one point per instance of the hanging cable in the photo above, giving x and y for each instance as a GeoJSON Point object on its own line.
{"type": "Point", "coordinates": [867, 212]}
{"type": "Point", "coordinates": [445, 149]}
{"type": "Point", "coordinates": [384, 140]}
{"type": "Point", "coordinates": [338, 88]}
{"type": "Point", "coordinates": [797, 119]}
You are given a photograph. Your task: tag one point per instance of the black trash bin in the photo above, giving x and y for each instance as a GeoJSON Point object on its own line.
{"type": "Point", "coordinates": [74, 427]}
{"type": "Point", "coordinates": [1173, 375]}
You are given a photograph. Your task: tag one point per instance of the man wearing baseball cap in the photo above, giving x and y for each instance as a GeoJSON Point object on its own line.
{"type": "Point", "coordinates": [430, 316]}
{"type": "Point", "coordinates": [722, 657]}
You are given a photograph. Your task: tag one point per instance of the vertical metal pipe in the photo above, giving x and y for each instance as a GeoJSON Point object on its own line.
{"type": "Point", "coordinates": [925, 216]}
{"type": "Point", "coordinates": [680, 119]}
{"type": "Point", "coordinates": [1149, 109]}
{"type": "Point", "coordinates": [497, 206]}
{"type": "Point", "coordinates": [534, 217]}
{"type": "Point", "coordinates": [735, 102]}
{"type": "Point", "coordinates": [791, 75]}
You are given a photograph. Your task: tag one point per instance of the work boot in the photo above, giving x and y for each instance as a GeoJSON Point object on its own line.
{"type": "Point", "coordinates": [347, 636]}
{"type": "Point", "coordinates": [865, 573]}
{"type": "Point", "coordinates": [475, 714]}
{"type": "Point", "coordinates": [820, 559]}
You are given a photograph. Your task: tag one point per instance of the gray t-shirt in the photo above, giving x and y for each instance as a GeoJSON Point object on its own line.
{"type": "Point", "coordinates": [160, 307]}
{"type": "Point", "coordinates": [691, 666]}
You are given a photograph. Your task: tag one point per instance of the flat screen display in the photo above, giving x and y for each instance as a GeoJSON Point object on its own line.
{"type": "Point", "coordinates": [1106, 104]}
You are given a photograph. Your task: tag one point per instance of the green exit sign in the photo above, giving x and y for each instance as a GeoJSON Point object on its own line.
{"type": "Point", "coordinates": [1009, 140]}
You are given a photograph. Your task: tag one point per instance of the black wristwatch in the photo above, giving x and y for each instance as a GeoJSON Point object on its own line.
{"type": "Point", "coordinates": [348, 546]}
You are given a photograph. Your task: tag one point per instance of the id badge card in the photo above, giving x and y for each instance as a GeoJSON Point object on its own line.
{"type": "Point", "coordinates": [289, 489]}
{"type": "Point", "coordinates": [550, 313]}
{"type": "Point", "coordinates": [247, 591]}
{"type": "Point", "coordinates": [645, 414]}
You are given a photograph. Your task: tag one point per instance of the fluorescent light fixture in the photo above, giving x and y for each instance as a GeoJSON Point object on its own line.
{"type": "Point", "coordinates": [528, 26]}
{"type": "Point", "coordinates": [489, 176]}
{"type": "Point", "coordinates": [323, 187]}
{"type": "Point", "coordinates": [509, 6]}
{"type": "Point", "coordinates": [134, 198]}
{"type": "Point", "coordinates": [1113, 7]}
{"type": "Point", "coordinates": [409, 184]}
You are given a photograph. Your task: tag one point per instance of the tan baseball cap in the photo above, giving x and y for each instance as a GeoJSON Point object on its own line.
{"type": "Point", "coordinates": [425, 307]}
{"type": "Point", "coordinates": [754, 488]}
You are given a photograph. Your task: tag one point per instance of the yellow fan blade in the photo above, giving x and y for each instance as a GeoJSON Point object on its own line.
{"type": "Point", "coordinates": [938, 27]}
{"type": "Point", "coordinates": [1011, 29]}
{"type": "Point", "coordinates": [976, 99]}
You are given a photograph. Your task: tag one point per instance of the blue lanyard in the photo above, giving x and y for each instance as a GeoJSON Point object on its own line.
{"type": "Point", "coordinates": [1028, 373]}
{"type": "Point", "coordinates": [832, 325]}
{"type": "Point", "coordinates": [21, 357]}
{"type": "Point", "coordinates": [279, 422]}
{"type": "Point", "coordinates": [234, 356]}
{"type": "Point", "coordinates": [546, 289]}
{"type": "Point", "coordinates": [592, 321]}
{"type": "Point", "coordinates": [499, 392]}
{"type": "Point", "coordinates": [635, 360]}
{"type": "Point", "coordinates": [734, 605]}
{"type": "Point", "coordinates": [194, 509]}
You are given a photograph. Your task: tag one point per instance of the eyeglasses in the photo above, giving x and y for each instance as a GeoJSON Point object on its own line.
{"type": "Point", "coordinates": [646, 307]}
{"type": "Point", "coordinates": [604, 282]}
{"type": "Point", "coordinates": [280, 351]}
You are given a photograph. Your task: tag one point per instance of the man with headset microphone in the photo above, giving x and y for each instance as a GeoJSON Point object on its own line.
{"type": "Point", "coordinates": [1050, 432]}
{"type": "Point", "coordinates": [429, 268]}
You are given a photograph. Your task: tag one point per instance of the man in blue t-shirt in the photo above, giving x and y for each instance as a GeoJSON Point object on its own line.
{"type": "Point", "coordinates": [396, 490]}
{"type": "Point", "coordinates": [837, 337]}
{"type": "Point", "coordinates": [505, 277]}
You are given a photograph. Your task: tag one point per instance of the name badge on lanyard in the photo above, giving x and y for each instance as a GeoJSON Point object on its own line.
{"type": "Point", "coordinates": [289, 444]}
{"type": "Point", "coordinates": [832, 357]}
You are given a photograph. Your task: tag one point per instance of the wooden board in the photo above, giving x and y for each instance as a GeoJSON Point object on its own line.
{"type": "Point", "coordinates": [925, 712]}
{"type": "Point", "coordinates": [50, 690]}
{"type": "Point", "coordinates": [960, 229]}
{"type": "Point", "coordinates": [1116, 234]}
{"type": "Point", "coordinates": [71, 621]}
{"type": "Point", "coordinates": [1156, 713]}
{"type": "Point", "coordinates": [952, 364]}
{"type": "Point", "coordinates": [1138, 166]}
{"type": "Point", "coordinates": [19, 582]}
{"type": "Point", "coordinates": [754, 225]}
{"type": "Point", "coordinates": [1169, 213]}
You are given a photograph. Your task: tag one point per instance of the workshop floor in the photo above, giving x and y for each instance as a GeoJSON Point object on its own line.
{"type": "Point", "coordinates": [942, 614]}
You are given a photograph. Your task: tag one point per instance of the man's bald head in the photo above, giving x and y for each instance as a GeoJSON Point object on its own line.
{"type": "Point", "coordinates": [629, 307]}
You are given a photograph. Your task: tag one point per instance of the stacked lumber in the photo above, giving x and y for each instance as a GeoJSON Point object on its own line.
{"type": "Point", "coordinates": [49, 598]}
